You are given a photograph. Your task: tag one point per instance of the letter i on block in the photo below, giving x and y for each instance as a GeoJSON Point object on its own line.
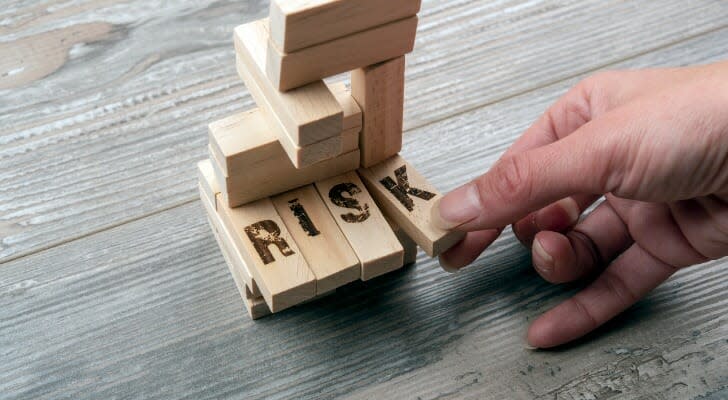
{"type": "Point", "coordinates": [276, 263]}
{"type": "Point", "coordinates": [364, 226]}
{"type": "Point", "coordinates": [407, 198]}
{"type": "Point", "coordinates": [325, 248]}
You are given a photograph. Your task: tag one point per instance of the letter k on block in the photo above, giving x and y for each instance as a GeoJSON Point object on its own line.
{"type": "Point", "coordinates": [401, 190]}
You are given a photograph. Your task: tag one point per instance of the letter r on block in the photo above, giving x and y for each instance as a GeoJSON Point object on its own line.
{"type": "Point", "coordinates": [265, 233]}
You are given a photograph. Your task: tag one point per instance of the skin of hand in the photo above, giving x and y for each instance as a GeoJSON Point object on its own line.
{"type": "Point", "coordinates": [654, 143]}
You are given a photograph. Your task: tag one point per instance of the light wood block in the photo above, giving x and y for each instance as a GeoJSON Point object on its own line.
{"type": "Point", "coordinates": [308, 114]}
{"type": "Point", "coordinates": [379, 90]}
{"type": "Point", "coordinates": [363, 225]}
{"type": "Point", "coordinates": [275, 176]}
{"type": "Point", "coordinates": [322, 244]}
{"type": "Point", "coordinates": [256, 306]}
{"type": "Point", "coordinates": [300, 156]}
{"type": "Point", "coordinates": [409, 245]}
{"type": "Point", "coordinates": [211, 189]}
{"type": "Point", "coordinates": [245, 140]}
{"type": "Point", "coordinates": [350, 140]}
{"type": "Point", "coordinates": [297, 24]}
{"type": "Point", "coordinates": [238, 268]}
{"type": "Point", "coordinates": [206, 178]}
{"type": "Point", "coordinates": [407, 198]}
{"type": "Point", "coordinates": [352, 117]}
{"type": "Point", "coordinates": [274, 259]}
{"type": "Point", "coordinates": [292, 70]}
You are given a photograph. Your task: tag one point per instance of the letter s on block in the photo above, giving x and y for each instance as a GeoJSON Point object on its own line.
{"type": "Point", "coordinates": [336, 194]}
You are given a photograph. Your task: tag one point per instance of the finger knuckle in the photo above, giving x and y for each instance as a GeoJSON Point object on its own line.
{"type": "Point", "coordinates": [511, 179]}
{"type": "Point", "coordinates": [616, 286]}
{"type": "Point", "coordinates": [585, 311]}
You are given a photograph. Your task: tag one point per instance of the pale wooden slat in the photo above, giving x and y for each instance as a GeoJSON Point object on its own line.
{"type": "Point", "coordinates": [114, 131]}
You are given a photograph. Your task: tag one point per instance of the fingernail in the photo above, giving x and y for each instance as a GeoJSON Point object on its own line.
{"type": "Point", "coordinates": [545, 262]}
{"type": "Point", "coordinates": [457, 207]}
{"type": "Point", "coordinates": [447, 267]}
{"type": "Point", "coordinates": [527, 345]}
{"type": "Point", "coordinates": [544, 219]}
{"type": "Point", "coordinates": [571, 208]}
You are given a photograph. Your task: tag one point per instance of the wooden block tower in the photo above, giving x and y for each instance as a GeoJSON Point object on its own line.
{"type": "Point", "coordinates": [307, 192]}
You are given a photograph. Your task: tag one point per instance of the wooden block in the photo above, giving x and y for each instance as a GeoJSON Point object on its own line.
{"type": "Point", "coordinates": [275, 176]}
{"type": "Point", "coordinates": [291, 70]}
{"type": "Point", "coordinates": [409, 245]}
{"type": "Point", "coordinates": [350, 140]}
{"type": "Point", "coordinates": [319, 238]}
{"type": "Point", "coordinates": [206, 178]}
{"type": "Point", "coordinates": [352, 112]}
{"type": "Point", "coordinates": [245, 140]}
{"type": "Point", "coordinates": [256, 306]}
{"type": "Point", "coordinates": [407, 198]}
{"type": "Point", "coordinates": [238, 268]}
{"type": "Point", "coordinates": [208, 185]}
{"type": "Point", "coordinates": [379, 90]}
{"type": "Point", "coordinates": [308, 114]}
{"type": "Point", "coordinates": [363, 224]}
{"type": "Point", "coordinates": [297, 24]}
{"type": "Point", "coordinates": [300, 155]}
{"type": "Point", "coordinates": [270, 252]}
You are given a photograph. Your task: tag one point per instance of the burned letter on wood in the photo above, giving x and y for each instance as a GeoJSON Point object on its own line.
{"type": "Point", "coordinates": [401, 189]}
{"type": "Point", "coordinates": [265, 233]}
{"type": "Point", "coordinates": [303, 218]}
{"type": "Point", "coordinates": [336, 194]}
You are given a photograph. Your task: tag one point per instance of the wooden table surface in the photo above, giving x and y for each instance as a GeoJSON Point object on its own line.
{"type": "Point", "coordinates": [112, 286]}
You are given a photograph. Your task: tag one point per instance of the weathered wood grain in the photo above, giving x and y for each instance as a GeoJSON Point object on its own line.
{"type": "Point", "coordinates": [112, 132]}
{"type": "Point", "coordinates": [149, 310]}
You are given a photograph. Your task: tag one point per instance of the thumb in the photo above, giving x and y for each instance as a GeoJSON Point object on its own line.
{"type": "Point", "coordinates": [524, 182]}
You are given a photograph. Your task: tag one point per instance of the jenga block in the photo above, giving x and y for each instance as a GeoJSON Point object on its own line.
{"type": "Point", "coordinates": [206, 177]}
{"type": "Point", "coordinates": [319, 238]}
{"type": "Point", "coordinates": [406, 197]}
{"type": "Point", "coordinates": [297, 24]}
{"type": "Point", "coordinates": [300, 156]}
{"type": "Point", "coordinates": [277, 265]}
{"type": "Point", "coordinates": [410, 247]}
{"type": "Point", "coordinates": [238, 269]}
{"type": "Point", "coordinates": [245, 140]}
{"type": "Point", "coordinates": [256, 305]}
{"type": "Point", "coordinates": [275, 176]}
{"type": "Point", "coordinates": [350, 140]}
{"type": "Point", "coordinates": [352, 112]}
{"type": "Point", "coordinates": [308, 114]}
{"type": "Point", "coordinates": [379, 90]}
{"type": "Point", "coordinates": [211, 191]}
{"type": "Point", "coordinates": [363, 224]}
{"type": "Point", "coordinates": [292, 70]}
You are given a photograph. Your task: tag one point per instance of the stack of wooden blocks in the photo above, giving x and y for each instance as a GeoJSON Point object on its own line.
{"type": "Point", "coordinates": [307, 192]}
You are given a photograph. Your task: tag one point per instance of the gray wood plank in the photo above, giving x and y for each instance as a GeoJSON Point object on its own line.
{"type": "Point", "coordinates": [148, 310]}
{"type": "Point", "coordinates": [113, 101]}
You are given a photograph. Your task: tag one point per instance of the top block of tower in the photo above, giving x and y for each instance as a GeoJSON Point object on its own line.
{"type": "Point", "coordinates": [297, 24]}
{"type": "Point", "coordinates": [374, 44]}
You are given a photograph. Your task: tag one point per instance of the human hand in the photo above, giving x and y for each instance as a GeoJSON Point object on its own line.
{"type": "Point", "coordinates": [655, 144]}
